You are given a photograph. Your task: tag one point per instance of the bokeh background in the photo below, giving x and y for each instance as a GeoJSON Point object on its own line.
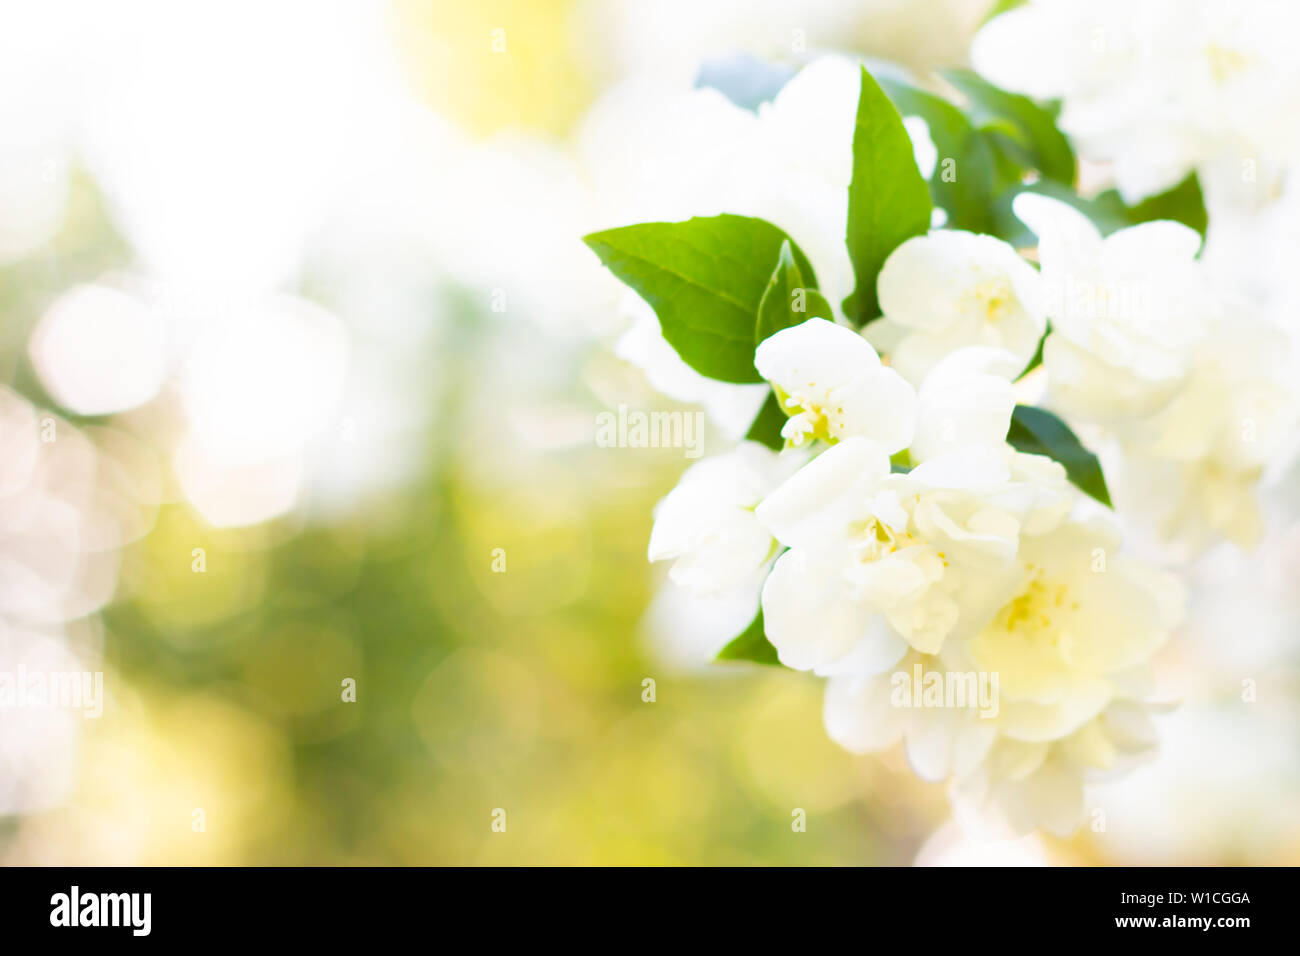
{"type": "Point", "coordinates": [299, 341]}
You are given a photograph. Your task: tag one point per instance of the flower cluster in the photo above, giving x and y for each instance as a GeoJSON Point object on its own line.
{"type": "Point", "coordinates": [922, 497]}
{"type": "Point", "coordinates": [1190, 390]}
{"type": "Point", "coordinates": [1159, 88]}
{"type": "Point", "coordinates": [972, 561]}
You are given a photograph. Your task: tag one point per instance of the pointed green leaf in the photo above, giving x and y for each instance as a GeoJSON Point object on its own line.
{"type": "Point", "coordinates": [1036, 431]}
{"type": "Point", "coordinates": [788, 300]}
{"type": "Point", "coordinates": [1184, 203]}
{"type": "Point", "coordinates": [889, 202]}
{"type": "Point", "coordinates": [751, 645]}
{"type": "Point", "coordinates": [704, 278]}
{"type": "Point", "coordinates": [1001, 7]}
{"type": "Point", "coordinates": [1026, 130]}
{"type": "Point", "coordinates": [963, 181]}
{"type": "Point", "coordinates": [1036, 359]}
{"type": "Point", "coordinates": [768, 423]}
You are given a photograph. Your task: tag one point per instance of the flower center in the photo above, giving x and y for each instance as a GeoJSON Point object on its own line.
{"type": "Point", "coordinates": [811, 415]}
{"type": "Point", "coordinates": [875, 539]}
{"type": "Point", "coordinates": [1035, 614]}
{"type": "Point", "coordinates": [995, 298]}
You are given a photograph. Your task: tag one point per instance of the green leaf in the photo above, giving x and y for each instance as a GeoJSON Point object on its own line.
{"type": "Point", "coordinates": [1020, 126]}
{"type": "Point", "coordinates": [1009, 227]}
{"type": "Point", "coordinates": [1036, 359]}
{"type": "Point", "coordinates": [963, 179]}
{"type": "Point", "coordinates": [1001, 7]}
{"type": "Point", "coordinates": [1184, 203]}
{"type": "Point", "coordinates": [704, 278]}
{"type": "Point", "coordinates": [751, 645]}
{"type": "Point", "coordinates": [788, 301]}
{"type": "Point", "coordinates": [1036, 431]}
{"type": "Point", "coordinates": [768, 423]}
{"type": "Point", "coordinates": [889, 202]}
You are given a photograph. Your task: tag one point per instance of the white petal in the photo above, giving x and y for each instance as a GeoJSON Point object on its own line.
{"type": "Point", "coordinates": [858, 713]}
{"type": "Point", "coordinates": [924, 151]}
{"type": "Point", "coordinates": [925, 282]}
{"type": "Point", "coordinates": [1152, 244]}
{"type": "Point", "coordinates": [972, 361]}
{"type": "Point", "coordinates": [817, 105]}
{"type": "Point", "coordinates": [1086, 386]}
{"type": "Point", "coordinates": [926, 622]}
{"type": "Point", "coordinates": [1035, 722]}
{"type": "Point", "coordinates": [941, 742]}
{"type": "Point", "coordinates": [889, 582]}
{"type": "Point", "coordinates": [816, 505]}
{"type": "Point", "coordinates": [918, 353]}
{"type": "Point", "coordinates": [724, 559]}
{"type": "Point", "coordinates": [708, 524]}
{"type": "Point", "coordinates": [1016, 759]}
{"type": "Point", "coordinates": [968, 467]}
{"type": "Point", "coordinates": [960, 405]}
{"type": "Point", "coordinates": [879, 649]}
{"type": "Point", "coordinates": [879, 404]}
{"type": "Point", "coordinates": [1010, 51]}
{"type": "Point", "coordinates": [1125, 614]}
{"type": "Point", "coordinates": [1051, 797]}
{"type": "Point", "coordinates": [807, 612]}
{"type": "Point", "coordinates": [1067, 239]}
{"type": "Point", "coordinates": [988, 537]}
{"type": "Point", "coordinates": [1128, 724]}
{"type": "Point", "coordinates": [814, 354]}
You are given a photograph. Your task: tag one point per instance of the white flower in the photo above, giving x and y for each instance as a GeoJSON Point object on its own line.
{"type": "Point", "coordinates": [679, 153]}
{"type": "Point", "coordinates": [877, 560]}
{"type": "Point", "coordinates": [852, 559]}
{"type": "Point", "coordinates": [706, 525]}
{"type": "Point", "coordinates": [1068, 631]}
{"type": "Point", "coordinates": [1126, 310]}
{"type": "Point", "coordinates": [965, 405]}
{"type": "Point", "coordinates": [1071, 651]}
{"type": "Point", "coordinates": [1027, 786]}
{"type": "Point", "coordinates": [1192, 469]}
{"type": "Point", "coordinates": [831, 383]}
{"type": "Point", "coordinates": [862, 715]}
{"type": "Point", "coordinates": [806, 191]}
{"type": "Point", "coordinates": [1157, 87]}
{"type": "Point", "coordinates": [1193, 396]}
{"type": "Point", "coordinates": [966, 399]}
{"type": "Point", "coordinates": [1080, 617]}
{"type": "Point", "coordinates": [950, 289]}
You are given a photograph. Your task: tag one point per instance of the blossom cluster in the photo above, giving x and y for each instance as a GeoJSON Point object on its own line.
{"type": "Point", "coordinates": [974, 560]}
{"type": "Point", "coordinates": [1004, 380]}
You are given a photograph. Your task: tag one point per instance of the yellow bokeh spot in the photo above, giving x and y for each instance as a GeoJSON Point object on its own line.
{"type": "Point", "coordinates": [494, 64]}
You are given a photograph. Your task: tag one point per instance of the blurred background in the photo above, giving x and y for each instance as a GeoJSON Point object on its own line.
{"type": "Point", "coordinates": [301, 358]}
